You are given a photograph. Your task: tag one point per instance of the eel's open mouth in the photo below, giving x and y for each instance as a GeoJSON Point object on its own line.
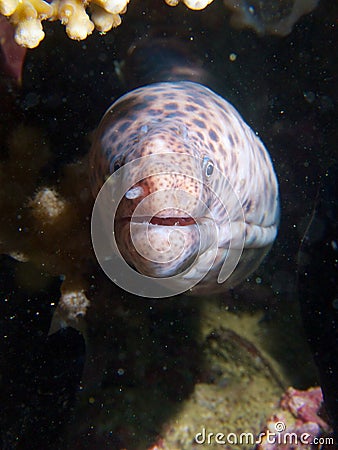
{"type": "Point", "coordinates": [172, 221]}
{"type": "Point", "coordinates": [163, 221]}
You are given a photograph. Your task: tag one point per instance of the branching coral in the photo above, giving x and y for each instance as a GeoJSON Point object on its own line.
{"type": "Point", "coordinates": [27, 15]}
{"type": "Point", "coordinates": [191, 4]}
{"type": "Point", "coordinates": [81, 16]}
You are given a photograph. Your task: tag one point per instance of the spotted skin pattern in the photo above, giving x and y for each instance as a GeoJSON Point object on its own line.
{"type": "Point", "coordinates": [187, 118]}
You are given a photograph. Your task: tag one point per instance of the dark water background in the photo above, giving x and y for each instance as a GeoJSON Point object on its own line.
{"type": "Point", "coordinates": [285, 88]}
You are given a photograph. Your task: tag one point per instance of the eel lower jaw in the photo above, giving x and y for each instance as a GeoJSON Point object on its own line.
{"type": "Point", "coordinates": [164, 247]}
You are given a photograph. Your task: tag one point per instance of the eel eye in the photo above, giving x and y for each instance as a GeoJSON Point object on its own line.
{"type": "Point", "coordinates": [208, 166]}
{"type": "Point", "coordinates": [116, 165]}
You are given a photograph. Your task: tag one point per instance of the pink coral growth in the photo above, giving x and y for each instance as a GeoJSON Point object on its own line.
{"type": "Point", "coordinates": [296, 423]}
{"type": "Point", "coordinates": [304, 405]}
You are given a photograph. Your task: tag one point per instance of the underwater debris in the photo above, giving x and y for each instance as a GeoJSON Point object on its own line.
{"type": "Point", "coordinates": [82, 17]}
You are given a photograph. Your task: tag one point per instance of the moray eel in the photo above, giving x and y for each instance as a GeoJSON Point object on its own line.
{"type": "Point", "coordinates": [200, 205]}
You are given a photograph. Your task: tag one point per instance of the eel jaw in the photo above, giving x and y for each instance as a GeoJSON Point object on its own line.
{"type": "Point", "coordinates": [172, 221]}
{"type": "Point", "coordinates": [162, 247]}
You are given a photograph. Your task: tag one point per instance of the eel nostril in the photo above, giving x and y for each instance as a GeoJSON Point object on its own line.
{"type": "Point", "coordinates": [134, 192]}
